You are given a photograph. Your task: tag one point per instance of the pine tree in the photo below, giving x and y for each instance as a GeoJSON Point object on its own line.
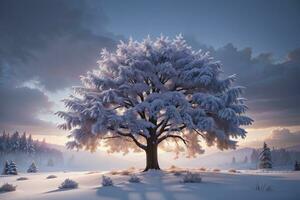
{"type": "Point", "coordinates": [297, 166]}
{"type": "Point", "coordinates": [233, 161]}
{"type": "Point", "coordinates": [254, 156]}
{"type": "Point", "coordinates": [32, 168]}
{"type": "Point", "coordinates": [5, 168]}
{"type": "Point", "coordinates": [50, 163]}
{"type": "Point", "coordinates": [148, 92]}
{"type": "Point", "coordinates": [23, 143]}
{"type": "Point", "coordinates": [12, 168]}
{"type": "Point", "coordinates": [245, 160]}
{"type": "Point", "coordinates": [265, 159]}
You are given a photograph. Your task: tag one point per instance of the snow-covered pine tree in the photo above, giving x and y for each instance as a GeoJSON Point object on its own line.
{"type": "Point", "coordinates": [5, 168]}
{"type": "Point", "coordinates": [233, 161]}
{"type": "Point", "coordinates": [265, 159]}
{"type": "Point", "coordinates": [297, 166]}
{"type": "Point", "coordinates": [254, 156]}
{"type": "Point", "coordinates": [147, 92]}
{"type": "Point", "coordinates": [50, 162]}
{"type": "Point", "coordinates": [245, 160]}
{"type": "Point", "coordinates": [32, 168]}
{"type": "Point", "coordinates": [12, 168]}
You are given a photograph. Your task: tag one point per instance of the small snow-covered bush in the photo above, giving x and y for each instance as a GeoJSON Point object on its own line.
{"type": "Point", "coordinates": [51, 176]}
{"type": "Point", "coordinates": [177, 173]}
{"type": "Point", "coordinates": [233, 171]}
{"type": "Point", "coordinates": [216, 170]}
{"type": "Point", "coordinates": [134, 179]}
{"type": "Point", "coordinates": [107, 181]}
{"type": "Point", "coordinates": [114, 172]}
{"type": "Point", "coordinates": [125, 172]}
{"type": "Point", "coordinates": [7, 188]}
{"type": "Point", "coordinates": [22, 179]}
{"type": "Point", "coordinates": [68, 184]}
{"type": "Point", "coordinates": [262, 187]}
{"type": "Point", "coordinates": [202, 169]}
{"type": "Point", "coordinates": [190, 177]}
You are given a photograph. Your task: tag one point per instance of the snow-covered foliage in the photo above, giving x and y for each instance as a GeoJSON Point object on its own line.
{"type": "Point", "coordinates": [190, 177]}
{"type": "Point", "coordinates": [32, 168]}
{"type": "Point", "coordinates": [11, 168]}
{"type": "Point", "coordinates": [265, 159]}
{"type": "Point", "coordinates": [150, 91]}
{"type": "Point", "coordinates": [134, 179]}
{"type": "Point", "coordinates": [297, 166]}
{"type": "Point", "coordinates": [6, 187]}
{"type": "Point", "coordinates": [5, 168]}
{"type": "Point", "coordinates": [51, 176]}
{"type": "Point", "coordinates": [107, 181]}
{"type": "Point", "coordinates": [68, 184]}
{"type": "Point", "coordinates": [23, 148]}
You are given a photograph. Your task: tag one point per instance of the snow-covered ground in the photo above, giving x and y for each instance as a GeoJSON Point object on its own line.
{"type": "Point", "coordinates": [157, 185]}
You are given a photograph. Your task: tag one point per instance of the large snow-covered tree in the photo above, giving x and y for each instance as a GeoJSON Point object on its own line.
{"type": "Point", "coordinates": [149, 92]}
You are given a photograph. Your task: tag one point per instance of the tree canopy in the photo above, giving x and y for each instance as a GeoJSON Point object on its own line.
{"type": "Point", "coordinates": [147, 92]}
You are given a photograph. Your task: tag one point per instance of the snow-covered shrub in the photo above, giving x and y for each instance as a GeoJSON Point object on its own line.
{"type": "Point", "coordinates": [51, 176]}
{"type": "Point", "coordinates": [190, 177]}
{"type": "Point", "coordinates": [114, 172]}
{"type": "Point", "coordinates": [263, 187]}
{"type": "Point", "coordinates": [68, 184]}
{"type": "Point", "coordinates": [202, 169]}
{"type": "Point", "coordinates": [216, 170]}
{"type": "Point", "coordinates": [7, 187]}
{"type": "Point", "coordinates": [32, 168]}
{"type": "Point", "coordinates": [134, 179]}
{"type": "Point", "coordinates": [107, 181]}
{"type": "Point", "coordinates": [22, 179]}
{"type": "Point", "coordinates": [233, 171]}
{"type": "Point", "coordinates": [125, 172]}
{"type": "Point", "coordinates": [177, 173]}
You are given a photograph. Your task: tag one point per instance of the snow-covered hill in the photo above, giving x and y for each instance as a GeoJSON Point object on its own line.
{"type": "Point", "coordinates": [157, 186]}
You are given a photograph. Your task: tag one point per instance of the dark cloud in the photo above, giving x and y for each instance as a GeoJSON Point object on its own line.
{"type": "Point", "coordinates": [272, 88]}
{"type": "Point", "coordinates": [21, 106]}
{"type": "Point", "coordinates": [51, 42]}
{"type": "Point", "coordinates": [47, 40]}
{"type": "Point", "coordinates": [283, 138]}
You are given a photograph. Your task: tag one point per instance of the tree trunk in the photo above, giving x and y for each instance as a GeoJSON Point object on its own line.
{"type": "Point", "coordinates": [151, 156]}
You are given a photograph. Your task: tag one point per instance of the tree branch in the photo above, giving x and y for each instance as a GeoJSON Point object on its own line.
{"type": "Point", "coordinates": [172, 136]}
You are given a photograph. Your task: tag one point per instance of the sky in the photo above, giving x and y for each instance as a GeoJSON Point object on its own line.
{"type": "Point", "coordinates": [46, 45]}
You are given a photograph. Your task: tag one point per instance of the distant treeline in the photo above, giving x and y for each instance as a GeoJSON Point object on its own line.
{"type": "Point", "coordinates": [23, 149]}
{"type": "Point", "coordinates": [279, 157]}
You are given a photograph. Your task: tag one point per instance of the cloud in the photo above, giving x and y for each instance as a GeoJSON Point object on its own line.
{"type": "Point", "coordinates": [54, 41]}
{"type": "Point", "coordinates": [272, 88]}
{"type": "Point", "coordinates": [283, 137]}
{"type": "Point", "coordinates": [49, 42]}
{"type": "Point", "coordinates": [21, 107]}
